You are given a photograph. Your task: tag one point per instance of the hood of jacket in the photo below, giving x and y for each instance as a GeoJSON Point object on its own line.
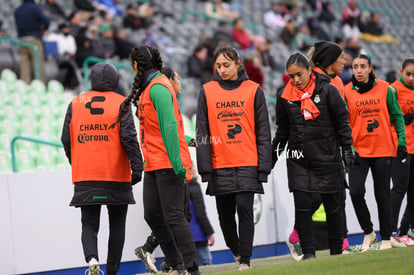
{"type": "Point", "coordinates": [321, 80]}
{"type": "Point", "coordinates": [104, 77]}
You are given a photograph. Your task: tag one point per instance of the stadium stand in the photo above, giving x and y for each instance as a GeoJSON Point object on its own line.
{"type": "Point", "coordinates": [37, 110]}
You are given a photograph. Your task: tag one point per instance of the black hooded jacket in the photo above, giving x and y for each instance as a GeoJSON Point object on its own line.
{"type": "Point", "coordinates": [235, 179]}
{"type": "Point", "coordinates": [103, 79]}
{"type": "Point", "coordinates": [313, 152]}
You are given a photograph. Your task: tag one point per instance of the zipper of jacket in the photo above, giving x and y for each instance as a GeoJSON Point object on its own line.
{"type": "Point", "coordinates": [307, 166]}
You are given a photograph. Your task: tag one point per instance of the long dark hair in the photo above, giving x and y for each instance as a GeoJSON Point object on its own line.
{"type": "Point", "coordinates": [148, 58]}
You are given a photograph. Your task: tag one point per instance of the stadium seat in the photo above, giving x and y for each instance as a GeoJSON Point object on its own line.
{"type": "Point", "coordinates": [8, 126]}
{"type": "Point", "coordinates": [62, 163]}
{"type": "Point", "coordinates": [3, 88]}
{"type": "Point", "coordinates": [20, 87]}
{"type": "Point", "coordinates": [25, 160]}
{"type": "Point", "coordinates": [8, 100]}
{"type": "Point", "coordinates": [5, 161]}
{"type": "Point", "coordinates": [52, 70]}
{"type": "Point", "coordinates": [54, 86]}
{"type": "Point", "coordinates": [26, 111]}
{"type": "Point", "coordinates": [9, 58]}
{"type": "Point", "coordinates": [37, 86]}
{"type": "Point", "coordinates": [26, 127]}
{"type": "Point", "coordinates": [8, 76]}
{"type": "Point", "coordinates": [45, 158]}
{"type": "Point", "coordinates": [4, 141]}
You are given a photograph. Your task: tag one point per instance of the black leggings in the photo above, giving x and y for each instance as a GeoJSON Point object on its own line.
{"type": "Point", "coordinates": [407, 220]}
{"type": "Point", "coordinates": [381, 173]}
{"type": "Point", "coordinates": [164, 197]}
{"type": "Point", "coordinates": [400, 173]}
{"type": "Point", "coordinates": [304, 208]}
{"type": "Point", "coordinates": [240, 241]}
{"type": "Point", "coordinates": [90, 228]}
{"type": "Point", "coordinates": [317, 201]}
{"type": "Point", "coordinates": [151, 243]}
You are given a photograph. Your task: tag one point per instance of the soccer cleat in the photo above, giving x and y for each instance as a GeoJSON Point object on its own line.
{"type": "Point", "coordinates": [308, 256]}
{"type": "Point", "coordinates": [406, 240]}
{"type": "Point", "coordinates": [295, 250]}
{"type": "Point", "coordinates": [147, 258]}
{"type": "Point", "coordinates": [410, 233]}
{"type": "Point", "coordinates": [385, 244]}
{"type": "Point", "coordinates": [243, 266]}
{"type": "Point", "coordinates": [165, 267]}
{"type": "Point", "coordinates": [369, 239]}
{"type": "Point", "coordinates": [396, 242]}
{"type": "Point", "coordinates": [347, 251]}
{"type": "Point", "coordinates": [93, 267]}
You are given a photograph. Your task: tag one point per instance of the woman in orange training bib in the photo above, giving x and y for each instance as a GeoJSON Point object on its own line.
{"type": "Point", "coordinates": [401, 171]}
{"type": "Point", "coordinates": [373, 107]}
{"type": "Point", "coordinates": [233, 148]}
{"type": "Point", "coordinates": [167, 159]}
{"type": "Point", "coordinates": [102, 159]}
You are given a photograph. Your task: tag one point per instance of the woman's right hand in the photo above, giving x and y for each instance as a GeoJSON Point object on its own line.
{"type": "Point", "coordinates": [211, 240]}
{"type": "Point", "coordinates": [182, 172]}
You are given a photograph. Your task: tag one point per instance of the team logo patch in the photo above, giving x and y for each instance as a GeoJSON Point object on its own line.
{"type": "Point", "coordinates": [317, 99]}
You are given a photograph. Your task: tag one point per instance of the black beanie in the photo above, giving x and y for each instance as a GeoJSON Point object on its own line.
{"type": "Point", "coordinates": [104, 77]}
{"type": "Point", "coordinates": [326, 53]}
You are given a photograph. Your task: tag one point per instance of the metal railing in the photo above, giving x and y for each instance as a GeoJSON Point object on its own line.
{"type": "Point", "coordinates": [27, 45]}
{"type": "Point", "coordinates": [35, 140]}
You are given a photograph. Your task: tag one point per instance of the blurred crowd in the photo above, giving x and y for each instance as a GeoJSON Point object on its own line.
{"type": "Point", "coordinates": [102, 28]}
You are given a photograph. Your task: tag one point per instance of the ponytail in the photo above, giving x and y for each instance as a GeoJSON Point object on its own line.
{"type": "Point", "coordinates": [310, 55]}
{"type": "Point", "coordinates": [147, 58]}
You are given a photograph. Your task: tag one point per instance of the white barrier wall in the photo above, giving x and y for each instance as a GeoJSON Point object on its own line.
{"type": "Point", "coordinates": [40, 232]}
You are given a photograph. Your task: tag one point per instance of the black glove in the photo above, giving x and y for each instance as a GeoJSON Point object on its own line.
{"type": "Point", "coordinates": [349, 159]}
{"type": "Point", "coordinates": [408, 118]}
{"type": "Point", "coordinates": [135, 177]}
{"type": "Point", "coordinates": [402, 153]}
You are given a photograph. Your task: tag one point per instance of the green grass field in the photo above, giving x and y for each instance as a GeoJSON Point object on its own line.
{"type": "Point", "coordinates": [391, 261]}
